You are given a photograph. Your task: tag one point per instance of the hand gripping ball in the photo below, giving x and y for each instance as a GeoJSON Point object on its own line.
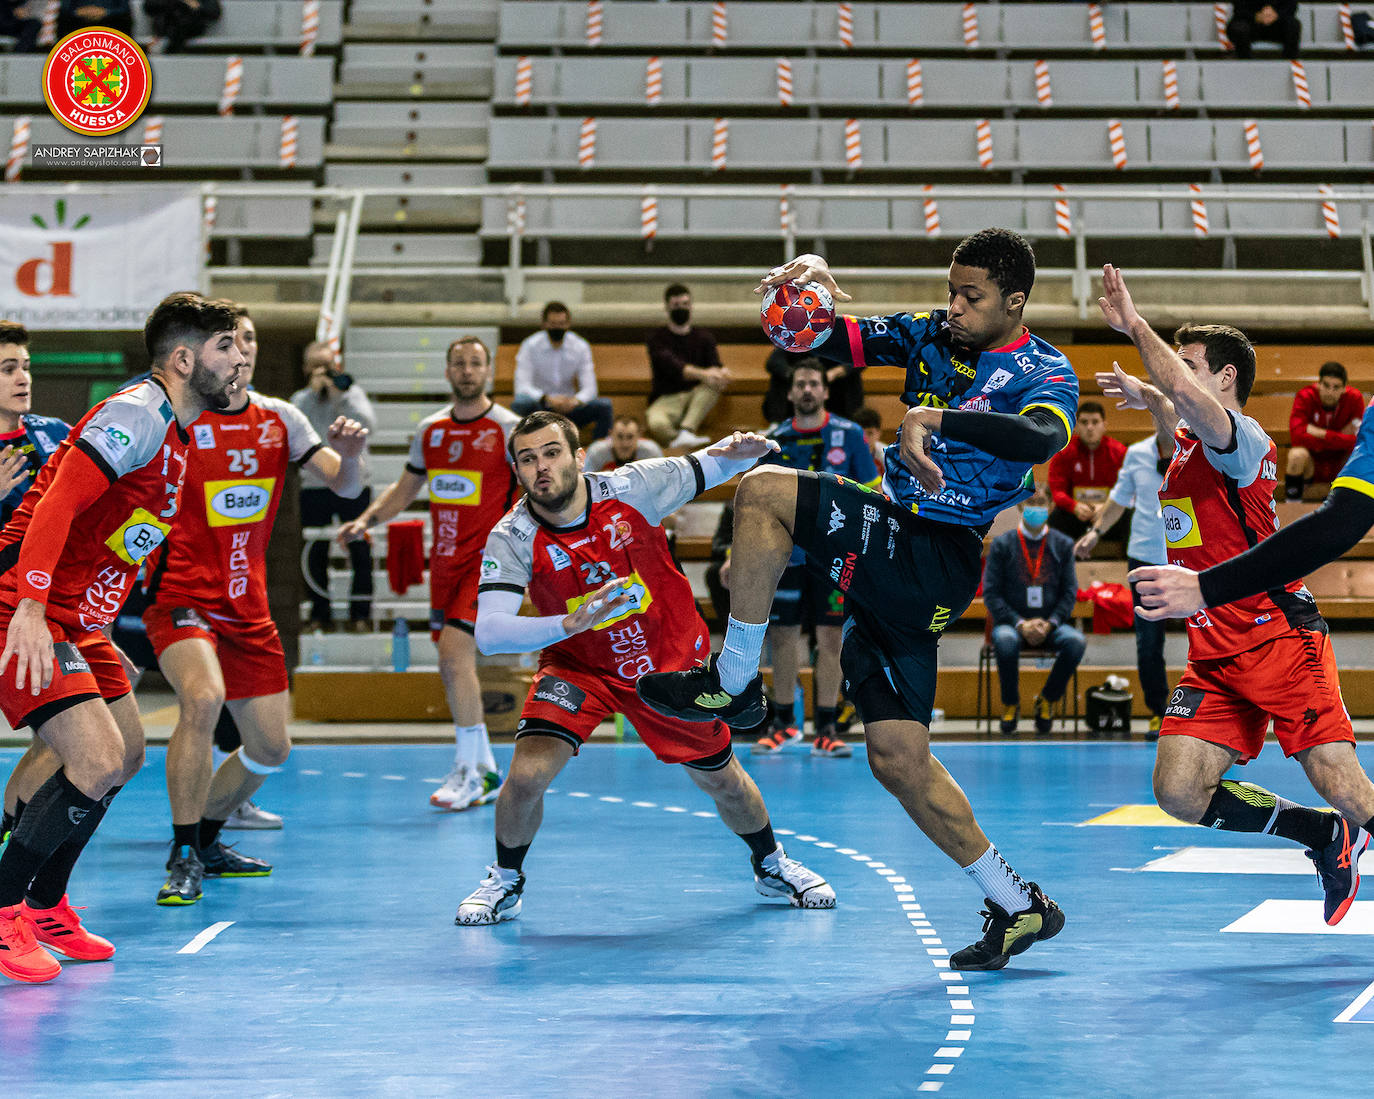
{"type": "Point", "coordinates": [797, 318]}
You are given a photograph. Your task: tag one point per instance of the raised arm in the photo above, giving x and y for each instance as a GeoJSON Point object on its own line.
{"type": "Point", "coordinates": [340, 463]}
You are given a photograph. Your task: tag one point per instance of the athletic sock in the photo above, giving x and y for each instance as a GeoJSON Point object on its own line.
{"type": "Point", "coordinates": [998, 881]}
{"type": "Point", "coordinates": [783, 714]}
{"type": "Point", "coordinates": [1368, 826]}
{"type": "Point", "coordinates": [467, 746]}
{"type": "Point", "coordinates": [1245, 807]}
{"type": "Point", "coordinates": [56, 809]}
{"type": "Point", "coordinates": [510, 859]}
{"type": "Point", "coordinates": [761, 843]}
{"type": "Point", "coordinates": [209, 832]}
{"type": "Point", "coordinates": [49, 884]}
{"type": "Point", "coordinates": [1292, 487]}
{"type": "Point", "coordinates": [738, 662]}
{"type": "Point", "coordinates": [186, 835]}
{"type": "Point", "coordinates": [485, 760]}
{"type": "Point", "coordinates": [825, 716]}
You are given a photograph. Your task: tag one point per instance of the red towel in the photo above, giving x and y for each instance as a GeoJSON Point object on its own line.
{"type": "Point", "coordinates": [405, 553]}
{"type": "Point", "coordinates": [1112, 608]}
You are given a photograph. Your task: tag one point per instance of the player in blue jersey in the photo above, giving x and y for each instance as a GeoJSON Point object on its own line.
{"type": "Point", "coordinates": [988, 401]}
{"type": "Point", "coordinates": [813, 439]}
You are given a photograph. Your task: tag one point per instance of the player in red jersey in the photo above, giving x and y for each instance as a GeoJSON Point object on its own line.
{"type": "Point", "coordinates": [1256, 659]}
{"type": "Point", "coordinates": [68, 558]}
{"type": "Point", "coordinates": [460, 454]}
{"type": "Point", "coordinates": [208, 619]}
{"type": "Point", "coordinates": [613, 606]}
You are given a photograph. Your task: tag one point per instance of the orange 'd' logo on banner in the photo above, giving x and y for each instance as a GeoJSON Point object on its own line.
{"type": "Point", "coordinates": [97, 81]}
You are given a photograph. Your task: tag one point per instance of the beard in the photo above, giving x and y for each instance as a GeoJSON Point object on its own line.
{"type": "Point", "coordinates": [807, 405]}
{"type": "Point", "coordinates": [208, 388]}
{"type": "Point", "coordinates": [469, 391]}
{"type": "Point", "coordinates": [559, 495]}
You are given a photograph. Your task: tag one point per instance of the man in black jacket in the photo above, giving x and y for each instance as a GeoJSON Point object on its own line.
{"type": "Point", "coordinates": [1029, 586]}
{"type": "Point", "coordinates": [1265, 20]}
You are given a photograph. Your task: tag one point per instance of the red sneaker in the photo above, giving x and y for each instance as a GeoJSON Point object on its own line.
{"type": "Point", "coordinates": [60, 928]}
{"type": "Point", "coordinates": [21, 958]}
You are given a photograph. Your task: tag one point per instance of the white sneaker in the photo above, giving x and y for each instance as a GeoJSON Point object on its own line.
{"type": "Point", "coordinates": [492, 781]}
{"type": "Point", "coordinates": [252, 816]}
{"type": "Point", "coordinates": [779, 876]}
{"type": "Point", "coordinates": [686, 440]}
{"type": "Point", "coordinates": [460, 789]}
{"type": "Point", "coordinates": [496, 899]}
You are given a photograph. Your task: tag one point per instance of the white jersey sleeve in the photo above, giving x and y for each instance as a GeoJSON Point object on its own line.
{"type": "Point", "coordinates": [508, 559]}
{"type": "Point", "coordinates": [127, 433]}
{"type": "Point", "coordinates": [654, 488]}
{"type": "Point", "coordinates": [302, 440]}
{"type": "Point", "coordinates": [1249, 445]}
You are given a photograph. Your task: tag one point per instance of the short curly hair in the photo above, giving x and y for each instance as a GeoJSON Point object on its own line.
{"type": "Point", "coordinates": [1006, 257]}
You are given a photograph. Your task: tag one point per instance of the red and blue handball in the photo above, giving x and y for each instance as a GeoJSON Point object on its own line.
{"type": "Point", "coordinates": [797, 317]}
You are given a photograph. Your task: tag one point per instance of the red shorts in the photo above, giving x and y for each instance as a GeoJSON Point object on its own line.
{"type": "Point", "coordinates": [250, 655]}
{"type": "Point", "coordinates": [570, 704]}
{"type": "Point", "coordinates": [453, 595]}
{"type": "Point", "coordinates": [1292, 678]}
{"type": "Point", "coordinates": [86, 666]}
{"type": "Point", "coordinates": [1326, 467]}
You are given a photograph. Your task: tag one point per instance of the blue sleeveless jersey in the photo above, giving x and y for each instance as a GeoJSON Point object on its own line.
{"type": "Point", "coordinates": [40, 437]}
{"type": "Point", "coordinates": [1026, 374]}
{"type": "Point", "coordinates": [1358, 471]}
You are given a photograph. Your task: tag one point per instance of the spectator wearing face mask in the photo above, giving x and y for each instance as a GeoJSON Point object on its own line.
{"type": "Point", "coordinates": [688, 377]}
{"type": "Point", "coordinates": [554, 371]}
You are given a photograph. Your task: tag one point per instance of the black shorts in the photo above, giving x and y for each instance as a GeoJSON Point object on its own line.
{"type": "Point", "coordinates": [904, 580]}
{"type": "Point", "coordinates": [805, 598]}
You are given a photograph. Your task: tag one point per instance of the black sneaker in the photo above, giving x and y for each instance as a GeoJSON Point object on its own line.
{"type": "Point", "coordinates": [1338, 869]}
{"type": "Point", "coordinates": [1005, 934]}
{"type": "Point", "coordinates": [184, 874]}
{"type": "Point", "coordinates": [224, 862]}
{"type": "Point", "coordinates": [696, 695]}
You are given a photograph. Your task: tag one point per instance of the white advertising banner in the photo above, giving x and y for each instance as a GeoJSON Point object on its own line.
{"type": "Point", "coordinates": [97, 257]}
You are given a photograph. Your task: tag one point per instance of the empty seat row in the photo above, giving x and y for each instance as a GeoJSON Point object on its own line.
{"type": "Point", "coordinates": [1020, 27]}
{"type": "Point", "coordinates": [436, 126]}
{"type": "Point", "coordinates": [532, 144]}
{"type": "Point", "coordinates": [759, 218]}
{"type": "Point", "coordinates": [1106, 83]}
{"type": "Point", "coordinates": [275, 23]}
{"type": "Point", "coordinates": [466, 68]}
{"type": "Point", "coordinates": [289, 83]}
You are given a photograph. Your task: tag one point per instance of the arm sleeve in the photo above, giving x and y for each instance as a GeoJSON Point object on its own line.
{"type": "Point", "coordinates": [1316, 539]}
{"type": "Point", "coordinates": [994, 581]}
{"type": "Point", "coordinates": [525, 382]}
{"type": "Point", "coordinates": [1033, 436]}
{"type": "Point", "coordinates": [1068, 590]}
{"type": "Point", "coordinates": [1061, 487]}
{"type": "Point", "coordinates": [302, 440]}
{"type": "Point", "coordinates": [1249, 445]}
{"type": "Point", "coordinates": [1298, 422]}
{"type": "Point", "coordinates": [1123, 493]}
{"type": "Point", "coordinates": [501, 628]}
{"type": "Point", "coordinates": [872, 341]}
{"type": "Point", "coordinates": [586, 371]}
{"type": "Point", "coordinates": [78, 484]}
{"type": "Point", "coordinates": [415, 457]}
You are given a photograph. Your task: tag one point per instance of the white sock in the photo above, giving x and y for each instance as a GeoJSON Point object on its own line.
{"type": "Point", "coordinates": [738, 662]}
{"type": "Point", "coordinates": [486, 761]}
{"type": "Point", "coordinates": [998, 881]}
{"type": "Point", "coordinates": [467, 745]}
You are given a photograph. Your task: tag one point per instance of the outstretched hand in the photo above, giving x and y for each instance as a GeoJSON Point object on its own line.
{"type": "Point", "coordinates": [1118, 310]}
{"type": "Point", "coordinates": [805, 268]}
{"type": "Point", "coordinates": [743, 446]}
{"type": "Point", "coordinates": [348, 437]}
{"type": "Point", "coordinates": [1128, 391]}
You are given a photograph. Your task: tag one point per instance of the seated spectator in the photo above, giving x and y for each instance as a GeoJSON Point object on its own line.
{"type": "Point", "coordinates": [177, 22]}
{"type": "Point", "coordinates": [1266, 20]}
{"type": "Point", "coordinates": [622, 446]}
{"type": "Point", "coordinates": [688, 376]}
{"type": "Point", "coordinates": [1321, 430]}
{"type": "Point", "coordinates": [554, 370]}
{"type": "Point", "coordinates": [846, 386]}
{"type": "Point", "coordinates": [1030, 586]}
{"type": "Point", "coordinates": [21, 20]}
{"type": "Point", "coordinates": [74, 15]}
{"type": "Point", "coordinates": [868, 419]}
{"type": "Point", "coordinates": [1083, 473]}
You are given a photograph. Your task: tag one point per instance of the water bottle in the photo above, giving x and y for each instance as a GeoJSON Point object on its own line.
{"type": "Point", "coordinates": [400, 645]}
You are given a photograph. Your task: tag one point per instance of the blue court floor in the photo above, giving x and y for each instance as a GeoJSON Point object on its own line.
{"type": "Point", "coordinates": [1193, 962]}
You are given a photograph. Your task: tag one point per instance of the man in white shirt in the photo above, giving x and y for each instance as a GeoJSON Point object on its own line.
{"type": "Point", "coordinates": [553, 370]}
{"type": "Point", "coordinates": [1137, 487]}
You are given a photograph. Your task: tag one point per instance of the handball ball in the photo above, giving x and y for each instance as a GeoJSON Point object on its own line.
{"type": "Point", "coordinates": [797, 318]}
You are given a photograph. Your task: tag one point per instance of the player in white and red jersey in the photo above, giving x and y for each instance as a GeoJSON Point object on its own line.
{"type": "Point", "coordinates": [1262, 658]}
{"type": "Point", "coordinates": [208, 620]}
{"type": "Point", "coordinates": [459, 453]}
{"type": "Point", "coordinates": [612, 606]}
{"type": "Point", "coordinates": [68, 558]}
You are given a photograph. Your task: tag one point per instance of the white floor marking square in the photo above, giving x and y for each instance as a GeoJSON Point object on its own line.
{"type": "Point", "coordinates": [1356, 1006]}
{"type": "Point", "coordinates": [1237, 860]}
{"type": "Point", "coordinates": [1303, 918]}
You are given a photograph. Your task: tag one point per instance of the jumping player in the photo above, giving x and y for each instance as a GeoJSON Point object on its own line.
{"type": "Point", "coordinates": [1262, 657]}
{"type": "Point", "coordinates": [990, 400]}
{"type": "Point", "coordinates": [812, 439]}
{"type": "Point", "coordinates": [460, 452]}
{"type": "Point", "coordinates": [612, 605]}
{"type": "Point", "coordinates": [208, 619]}
{"type": "Point", "coordinates": [68, 558]}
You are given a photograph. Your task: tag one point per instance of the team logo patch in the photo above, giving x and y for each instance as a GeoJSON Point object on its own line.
{"type": "Point", "coordinates": [97, 81]}
{"type": "Point", "coordinates": [188, 618]}
{"type": "Point", "coordinates": [560, 693]}
{"type": "Point", "coordinates": [229, 503]}
{"type": "Point", "coordinates": [139, 535]}
{"type": "Point", "coordinates": [491, 569]}
{"type": "Point", "coordinates": [1180, 523]}
{"type": "Point", "coordinates": [559, 557]}
{"type": "Point", "coordinates": [205, 436]}
{"type": "Point", "coordinates": [456, 486]}
{"type": "Point", "coordinates": [836, 518]}
{"type": "Point", "coordinates": [835, 456]}
{"type": "Point", "coordinates": [38, 579]}
{"type": "Point", "coordinates": [997, 380]}
{"type": "Point", "coordinates": [69, 659]}
{"type": "Point", "coordinates": [1184, 702]}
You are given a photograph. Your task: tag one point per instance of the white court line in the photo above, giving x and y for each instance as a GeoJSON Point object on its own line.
{"type": "Point", "coordinates": [1356, 1005]}
{"type": "Point", "coordinates": [194, 946]}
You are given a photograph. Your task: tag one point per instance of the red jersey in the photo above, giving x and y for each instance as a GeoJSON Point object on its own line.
{"type": "Point", "coordinates": [471, 481]}
{"type": "Point", "coordinates": [620, 536]}
{"type": "Point", "coordinates": [1079, 474]}
{"type": "Point", "coordinates": [134, 439]}
{"type": "Point", "coordinates": [215, 559]}
{"type": "Point", "coordinates": [1308, 411]}
{"type": "Point", "coordinates": [1217, 504]}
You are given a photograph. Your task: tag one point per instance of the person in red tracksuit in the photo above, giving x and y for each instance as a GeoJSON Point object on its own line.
{"type": "Point", "coordinates": [1082, 474]}
{"type": "Point", "coordinates": [1321, 429]}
